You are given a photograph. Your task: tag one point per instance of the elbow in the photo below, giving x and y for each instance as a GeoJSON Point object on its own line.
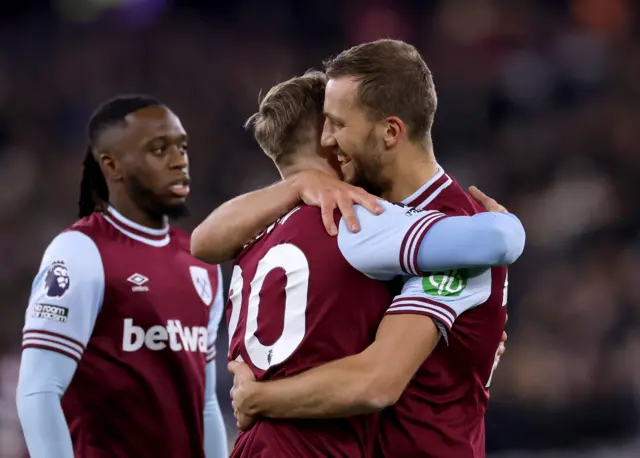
{"type": "Point", "coordinates": [509, 241]}
{"type": "Point", "coordinates": [197, 246]}
{"type": "Point", "coordinates": [381, 399]}
{"type": "Point", "coordinates": [22, 401]}
{"type": "Point", "coordinates": [378, 394]}
{"type": "Point", "coordinates": [202, 247]}
{"type": "Point", "coordinates": [19, 403]}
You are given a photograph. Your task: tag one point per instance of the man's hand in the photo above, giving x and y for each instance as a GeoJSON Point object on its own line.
{"type": "Point", "coordinates": [487, 202]}
{"type": "Point", "coordinates": [321, 190]}
{"type": "Point", "coordinates": [243, 383]}
{"type": "Point", "coordinates": [501, 350]}
{"type": "Point", "coordinates": [502, 347]}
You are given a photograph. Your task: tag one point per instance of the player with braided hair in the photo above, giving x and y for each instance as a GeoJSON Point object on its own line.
{"type": "Point", "coordinates": [120, 330]}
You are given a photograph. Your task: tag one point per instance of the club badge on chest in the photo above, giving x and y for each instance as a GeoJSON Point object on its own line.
{"type": "Point", "coordinates": [202, 284]}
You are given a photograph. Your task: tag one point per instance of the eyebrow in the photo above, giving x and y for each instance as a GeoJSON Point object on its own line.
{"type": "Point", "coordinates": [333, 118]}
{"type": "Point", "coordinates": [181, 138]}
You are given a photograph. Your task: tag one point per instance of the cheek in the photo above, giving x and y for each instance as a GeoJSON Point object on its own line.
{"type": "Point", "coordinates": [346, 140]}
{"type": "Point", "coordinates": [142, 174]}
{"type": "Point", "coordinates": [348, 172]}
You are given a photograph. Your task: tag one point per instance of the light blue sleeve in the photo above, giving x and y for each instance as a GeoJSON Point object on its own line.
{"type": "Point", "coordinates": [482, 240]}
{"type": "Point", "coordinates": [44, 377]}
{"type": "Point", "coordinates": [215, 434]}
{"type": "Point", "coordinates": [396, 242]}
{"type": "Point", "coordinates": [65, 300]}
{"type": "Point", "coordinates": [66, 296]}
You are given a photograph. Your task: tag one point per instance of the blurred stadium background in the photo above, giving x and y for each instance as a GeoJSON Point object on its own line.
{"type": "Point", "coordinates": [538, 106]}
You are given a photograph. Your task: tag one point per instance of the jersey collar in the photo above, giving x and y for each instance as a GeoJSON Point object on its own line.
{"type": "Point", "coordinates": [135, 231]}
{"type": "Point", "coordinates": [430, 190]}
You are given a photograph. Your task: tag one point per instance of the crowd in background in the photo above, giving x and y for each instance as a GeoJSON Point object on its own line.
{"type": "Point", "coordinates": [538, 106]}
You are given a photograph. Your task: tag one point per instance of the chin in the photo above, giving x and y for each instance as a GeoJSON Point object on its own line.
{"type": "Point", "coordinates": [173, 208]}
{"type": "Point", "coordinates": [177, 210]}
{"type": "Point", "coordinates": [348, 173]}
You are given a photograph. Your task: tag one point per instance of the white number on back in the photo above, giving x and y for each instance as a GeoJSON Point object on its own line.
{"type": "Point", "coordinates": [294, 263]}
{"type": "Point", "coordinates": [505, 290]}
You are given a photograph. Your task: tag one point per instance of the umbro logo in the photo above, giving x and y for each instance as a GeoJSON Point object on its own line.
{"type": "Point", "coordinates": [139, 281]}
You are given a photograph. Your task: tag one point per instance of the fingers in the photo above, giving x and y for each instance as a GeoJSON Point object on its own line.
{"type": "Point", "coordinates": [346, 201]}
{"type": "Point", "coordinates": [244, 422]}
{"type": "Point", "coordinates": [327, 207]}
{"type": "Point", "coordinates": [486, 201]}
{"type": "Point", "coordinates": [477, 194]}
{"type": "Point", "coordinates": [232, 366]}
{"type": "Point", "coordinates": [368, 201]}
{"type": "Point", "coordinates": [345, 205]}
{"type": "Point", "coordinates": [481, 197]}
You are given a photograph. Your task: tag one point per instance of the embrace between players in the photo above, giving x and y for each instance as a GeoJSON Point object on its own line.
{"type": "Point", "coordinates": [372, 331]}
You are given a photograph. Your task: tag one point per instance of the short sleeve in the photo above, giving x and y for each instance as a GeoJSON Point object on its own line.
{"type": "Point", "coordinates": [66, 296]}
{"type": "Point", "coordinates": [215, 315]}
{"type": "Point", "coordinates": [443, 296]}
{"type": "Point", "coordinates": [387, 244]}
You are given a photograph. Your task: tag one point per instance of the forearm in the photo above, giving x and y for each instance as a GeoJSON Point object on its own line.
{"type": "Point", "coordinates": [44, 376]}
{"type": "Point", "coordinates": [235, 223]}
{"type": "Point", "coordinates": [485, 239]}
{"type": "Point", "coordinates": [44, 426]}
{"type": "Point", "coordinates": [358, 384]}
{"type": "Point", "coordinates": [337, 389]}
{"type": "Point", "coordinates": [215, 433]}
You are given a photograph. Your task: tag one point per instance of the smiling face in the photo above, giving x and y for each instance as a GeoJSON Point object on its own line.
{"type": "Point", "coordinates": [358, 142]}
{"type": "Point", "coordinates": [380, 102]}
{"type": "Point", "coordinates": [148, 155]}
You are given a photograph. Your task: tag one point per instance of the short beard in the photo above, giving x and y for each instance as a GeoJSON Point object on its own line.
{"type": "Point", "coordinates": [149, 202]}
{"type": "Point", "coordinates": [368, 172]}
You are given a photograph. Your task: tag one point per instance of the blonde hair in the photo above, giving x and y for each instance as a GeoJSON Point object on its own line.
{"type": "Point", "coordinates": [286, 114]}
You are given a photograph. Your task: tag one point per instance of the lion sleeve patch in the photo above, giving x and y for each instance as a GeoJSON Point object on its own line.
{"type": "Point", "coordinates": [57, 281]}
{"type": "Point", "coordinates": [66, 296]}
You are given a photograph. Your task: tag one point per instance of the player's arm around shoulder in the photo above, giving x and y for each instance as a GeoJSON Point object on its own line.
{"type": "Point", "coordinates": [232, 225]}
{"type": "Point", "coordinates": [223, 234]}
{"type": "Point", "coordinates": [408, 241]}
{"type": "Point", "coordinates": [387, 244]}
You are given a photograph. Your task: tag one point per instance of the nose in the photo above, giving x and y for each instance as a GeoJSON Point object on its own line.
{"type": "Point", "coordinates": [179, 159]}
{"type": "Point", "coordinates": [327, 139]}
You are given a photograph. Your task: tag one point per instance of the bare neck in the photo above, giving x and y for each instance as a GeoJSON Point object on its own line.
{"type": "Point", "coordinates": [413, 166]}
{"type": "Point", "coordinates": [305, 163]}
{"type": "Point", "coordinates": [130, 210]}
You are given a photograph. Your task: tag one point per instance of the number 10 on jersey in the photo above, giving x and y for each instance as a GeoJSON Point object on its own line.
{"type": "Point", "coordinates": [246, 303]}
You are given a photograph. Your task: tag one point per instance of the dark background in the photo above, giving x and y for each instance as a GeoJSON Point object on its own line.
{"type": "Point", "coordinates": [538, 107]}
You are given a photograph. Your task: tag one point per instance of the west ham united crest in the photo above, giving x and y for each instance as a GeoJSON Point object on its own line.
{"type": "Point", "coordinates": [200, 278]}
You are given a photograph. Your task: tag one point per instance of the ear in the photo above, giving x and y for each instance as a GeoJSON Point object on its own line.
{"type": "Point", "coordinates": [394, 130]}
{"type": "Point", "coordinates": [110, 167]}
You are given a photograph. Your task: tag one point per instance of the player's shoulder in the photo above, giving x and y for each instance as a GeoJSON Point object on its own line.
{"type": "Point", "coordinates": [454, 201]}
{"type": "Point", "coordinates": [71, 254]}
{"type": "Point", "coordinates": [302, 226]}
{"type": "Point", "coordinates": [302, 221]}
{"type": "Point", "coordinates": [72, 242]}
{"type": "Point", "coordinates": [181, 238]}
{"type": "Point", "coordinates": [92, 225]}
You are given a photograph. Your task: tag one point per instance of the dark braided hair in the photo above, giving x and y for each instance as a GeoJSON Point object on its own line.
{"type": "Point", "coordinates": [93, 188]}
